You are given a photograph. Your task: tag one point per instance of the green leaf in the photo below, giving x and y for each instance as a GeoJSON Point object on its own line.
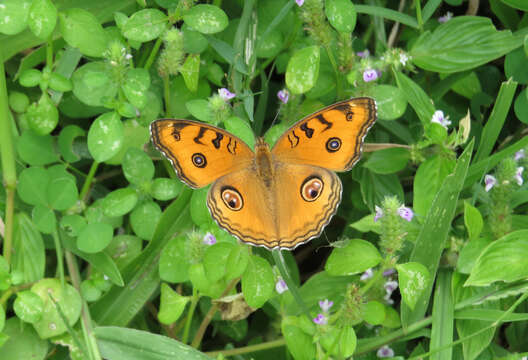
{"type": "Point", "coordinates": [44, 219]}
{"type": "Point", "coordinates": [106, 136]}
{"type": "Point", "coordinates": [342, 15]}
{"type": "Point", "coordinates": [14, 16]}
{"type": "Point", "coordinates": [174, 262]}
{"type": "Point", "coordinates": [521, 106]}
{"type": "Point", "coordinates": [469, 254]}
{"type": "Point", "coordinates": [144, 219]}
{"type": "Point", "coordinates": [190, 71]}
{"type": "Point", "coordinates": [215, 260]}
{"type": "Point", "coordinates": [388, 161]}
{"type": "Point", "coordinates": [95, 237]}
{"type": "Point", "coordinates": [36, 150]}
{"type": "Point", "coordinates": [28, 306]}
{"type": "Point", "coordinates": [193, 41]}
{"type": "Point", "coordinates": [137, 166]}
{"type": "Point", "coordinates": [28, 249]}
{"type": "Point", "coordinates": [413, 278]}
{"type": "Point", "coordinates": [416, 96]}
{"type": "Point", "coordinates": [32, 185]}
{"type": "Point", "coordinates": [42, 18]}
{"type": "Point", "coordinates": [502, 260]}
{"type": "Point", "coordinates": [517, 4]}
{"type": "Point", "coordinates": [462, 43]}
{"type": "Point", "coordinates": [199, 211]}
{"type": "Point", "coordinates": [373, 312]}
{"type": "Point", "coordinates": [340, 342]}
{"type": "Point", "coordinates": [298, 333]}
{"type": "Point", "coordinates": [472, 220]}
{"type": "Point", "coordinates": [120, 202]}
{"type": "Point", "coordinates": [132, 344]}
{"type": "Point", "coordinates": [165, 188]}
{"type": "Point", "coordinates": [59, 82]}
{"type": "Point", "coordinates": [390, 14]}
{"type": "Point", "coordinates": [82, 30]}
{"type": "Point", "coordinates": [354, 258]}
{"type": "Point", "coordinates": [375, 187]}
{"type": "Point", "coordinates": [199, 108]}
{"type": "Point", "coordinates": [303, 70]}
{"type": "Point", "coordinates": [43, 116]}
{"type": "Point", "coordinates": [136, 136]}
{"type": "Point", "coordinates": [237, 262]}
{"type": "Point", "coordinates": [206, 19]}
{"type": "Point", "coordinates": [62, 193]}
{"type": "Point", "coordinates": [390, 101]}
{"type": "Point", "coordinates": [30, 77]}
{"type": "Point", "coordinates": [145, 25]}
{"type": "Point", "coordinates": [242, 129]}
{"type": "Point", "coordinates": [514, 66]}
{"type": "Point", "coordinates": [172, 305]}
{"type": "Point", "coordinates": [258, 282]}
{"type": "Point", "coordinates": [65, 142]}
{"type": "Point", "coordinates": [123, 249]}
{"type": "Point", "coordinates": [23, 342]}
{"type": "Point", "coordinates": [54, 294]}
{"type": "Point", "coordinates": [73, 224]}
{"type": "Point", "coordinates": [443, 311]}
{"type": "Point", "coordinates": [136, 85]}
{"type": "Point", "coordinates": [93, 83]}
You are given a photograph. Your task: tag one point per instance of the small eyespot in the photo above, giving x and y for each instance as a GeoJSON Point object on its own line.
{"type": "Point", "coordinates": [333, 144]}
{"type": "Point", "coordinates": [349, 116]}
{"type": "Point", "coordinates": [232, 198]}
{"type": "Point", "coordinates": [311, 188]}
{"type": "Point", "coordinates": [199, 160]}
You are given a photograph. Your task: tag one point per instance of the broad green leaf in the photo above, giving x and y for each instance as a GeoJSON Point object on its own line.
{"type": "Point", "coordinates": [30, 77]}
{"type": "Point", "coordinates": [172, 305]}
{"type": "Point", "coordinates": [22, 342]}
{"type": "Point", "coordinates": [190, 71]}
{"type": "Point", "coordinates": [375, 187]}
{"type": "Point", "coordinates": [373, 312]}
{"type": "Point", "coordinates": [150, 112]}
{"type": "Point", "coordinates": [174, 262]}
{"type": "Point", "coordinates": [193, 41]}
{"type": "Point", "coordinates": [82, 30]}
{"type": "Point", "coordinates": [65, 142]}
{"type": "Point", "coordinates": [298, 333]}
{"type": "Point", "coordinates": [132, 344]}
{"type": "Point", "coordinates": [413, 278]}
{"type": "Point", "coordinates": [28, 306]}
{"type": "Point", "coordinates": [258, 282]}
{"type": "Point", "coordinates": [199, 211]}
{"type": "Point", "coordinates": [14, 16]}
{"type": "Point", "coordinates": [514, 66]}
{"type": "Point", "coordinates": [240, 128]}
{"type": "Point", "coordinates": [354, 258]}
{"type": "Point", "coordinates": [73, 224]}
{"type": "Point", "coordinates": [93, 83]}
{"type": "Point", "coordinates": [237, 262]}
{"type": "Point", "coordinates": [165, 188]}
{"type": "Point", "coordinates": [44, 219]}
{"type": "Point", "coordinates": [472, 220]}
{"type": "Point", "coordinates": [271, 45]}
{"type": "Point", "coordinates": [340, 342]}
{"type": "Point", "coordinates": [94, 237]}
{"type": "Point", "coordinates": [123, 249]}
{"type": "Point", "coordinates": [136, 136]}
{"type": "Point", "coordinates": [470, 253]}
{"type": "Point", "coordinates": [89, 291]}
{"type": "Point", "coordinates": [54, 295]}
{"type": "Point", "coordinates": [215, 260]}
{"type": "Point", "coordinates": [62, 193]}
{"type": "Point", "coordinates": [521, 106]}
{"type": "Point", "coordinates": [303, 70]}
{"type": "Point", "coordinates": [180, 95]}
{"type": "Point", "coordinates": [36, 150]}
{"type": "Point", "coordinates": [137, 166]}
{"type": "Point", "coordinates": [32, 185]}
{"type": "Point", "coordinates": [144, 219]}
{"type": "Point", "coordinates": [120, 202]}
{"type": "Point", "coordinates": [341, 14]}
{"type": "Point", "coordinates": [145, 25]}
{"type": "Point", "coordinates": [105, 137]}
{"type": "Point", "coordinates": [18, 101]}
{"type": "Point", "coordinates": [502, 260]}
{"type": "Point", "coordinates": [42, 18]}
{"type": "Point", "coordinates": [28, 249]}
{"type": "Point", "coordinates": [137, 82]}
{"type": "Point", "coordinates": [462, 43]}
{"type": "Point", "coordinates": [199, 108]}
{"type": "Point", "coordinates": [43, 116]}
{"type": "Point", "coordinates": [388, 161]}
{"type": "Point", "coordinates": [206, 19]}
{"type": "Point", "coordinates": [390, 101]}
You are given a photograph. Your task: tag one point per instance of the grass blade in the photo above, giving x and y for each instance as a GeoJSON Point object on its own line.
{"type": "Point", "coordinates": [443, 309]}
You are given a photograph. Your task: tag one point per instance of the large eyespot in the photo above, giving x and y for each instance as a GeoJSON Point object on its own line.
{"type": "Point", "coordinates": [232, 198]}
{"type": "Point", "coordinates": [333, 144]}
{"type": "Point", "coordinates": [311, 188]}
{"type": "Point", "coordinates": [199, 160]}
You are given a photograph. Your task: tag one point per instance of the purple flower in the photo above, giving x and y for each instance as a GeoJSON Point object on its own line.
{"type": "Point", "coordinates": [209, 239]}
{"type": "Point", "coordinates": [299, 2]}
{"type": "Point", "coordinates": [443, 19]}
{"type": "Point", "coordinates": [390, 286]}
{"type": "Point", "coordinates": [439, 118]}
{"type": "Point", "coordinates": [489, 181]}
{"type": "Point", "coordinates": [281, 286]}
{"type": "Point", "coordinates": [388, 299]}
{"type": "Point", "coordinates": [518, 175]}
{"type": "Point", "coordinates": [389, 272]}
{"type": "Point", "coordinates": [320, 319]}
{"type": "Point", "coordinates": [521, 154]}
{"type": "Point", "coordinates": [325, 305]}
{"type": "Point", "coordinates": [405, 213]}
{"type": "Point", "coordinates": [367, 275]}
{"type": "Point", "coordinates": [225, 94]}
{"type": "Point", "coordinates": [370, 75]}
{"type": "Point", "coordinates": [385, 351]}
{"type": "Point", "coordinates": [283, 96]}
{"type": "Point", "coordinates": [364, 54]}
{"type": "Point", "coordinates": [379, 213]}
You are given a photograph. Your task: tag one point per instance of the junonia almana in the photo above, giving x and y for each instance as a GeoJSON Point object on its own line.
{"type": "Point", "coordinates": [279, 197]}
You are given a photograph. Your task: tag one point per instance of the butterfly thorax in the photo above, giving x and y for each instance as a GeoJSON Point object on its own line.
{"type": "Point", "coordinates": [264, 161]}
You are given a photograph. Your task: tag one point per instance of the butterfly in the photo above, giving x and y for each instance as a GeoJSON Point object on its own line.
{"type": "Point", "coordinates": [278, 197]}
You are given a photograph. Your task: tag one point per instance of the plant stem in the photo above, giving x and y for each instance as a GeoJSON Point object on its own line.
{"type": "Point", "coordinates": [58, 250]}
{"type": "Point", "coordinates": [8, 164]}
{"type": "Point", "coordinates": [88, 181]}
{"type": "Point", "coordinates": [153, 53]}
{"type": "Point", "coordinates": [419, 15]}
{"type": "Point", "coordinates": [248, 349]}
{"type": "Point", "coordinates": [194, 301]}
{"type": "Point", "coordinates": [166, 95]}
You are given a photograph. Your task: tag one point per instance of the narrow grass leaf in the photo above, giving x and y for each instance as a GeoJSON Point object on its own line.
{"type": "Point", "coordinates": [443, 322]}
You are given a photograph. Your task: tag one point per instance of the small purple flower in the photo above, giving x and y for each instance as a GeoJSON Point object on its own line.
{"type": "Point", "coordinates": [385, 352]}
{"type": "Point", "coordinates": [443, 19]}
{"type": "Point", "coordinates": [405, 213]}
{"type": "Point", "coordinates": [299, 2]}
{"type": "Point", "coordinates": [518, 175]}
{"type": "Point", "coordinates": [379, 213]}
{"type": "Point", "coordinates": [389, 272]}
{"type": "Point", "coordinates": [325, 305]}
{"type": "Point", "coordinates": [283, 96]}
{"type": "Point", "coordinates": [370, 75]}
{"type": "Point", "coordinates": [320, 319]}
{"type": "Point", "coordinates": [390, 286]}
{"type": "Point", "coordinates": [209, 239]}
{"type": "Point", "coordinates": [364, 54]}
{"type": "Point", "coordinates": [367, 275]}
{"type": "Point", "coordinates": [489, 181]}
{"type": "Point", "coordinates": [388, 299]}
{"type": "Point", "coordinates": [439, 118]}
{"type": "Point", "coordinates": [281, 286]}
{"type": "Point", "coordinates": [521, 154]}
{"type": "Point", "coordinates": [225, 94]}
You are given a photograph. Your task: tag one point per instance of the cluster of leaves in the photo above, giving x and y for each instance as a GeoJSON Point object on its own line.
{"type": "Point", "coordinates": [149, 272]}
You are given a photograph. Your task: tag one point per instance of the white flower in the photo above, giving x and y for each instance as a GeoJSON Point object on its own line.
{"type": "Point", "coordinates": [439, 118]}
{"type": "Point", "coordinates": [518, 175]}
{"type": "Point", "coordinates": [367, 274]}
{"type": "Point", "coordinates": [489, 181]}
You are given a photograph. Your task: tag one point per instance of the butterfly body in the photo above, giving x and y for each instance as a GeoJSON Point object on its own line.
{"type": "Point", "coordinates": [276, 198]}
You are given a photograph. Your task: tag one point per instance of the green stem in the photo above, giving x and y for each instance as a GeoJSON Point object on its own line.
{"type": "Point", "coordinates": [153, 53]}
{"type": "Point", "coordinates": [419, 14]}
{"type": "Point", "coordinates": [49, 53]}
{"type": "Point", "coordinates": [88, 182]}
{"type": "Point", "coordinates": [281, 264]}
{"type": "Point", "coordinates": [8, 164]}
{"type": "Point", "coordinates": [58, 250]}
{"type": "Point", "coordinates": [194, 301]}
{"type": "Point", "coordinates": [248, 349]}
{"type": "Point", "coordinates": [166, 95]}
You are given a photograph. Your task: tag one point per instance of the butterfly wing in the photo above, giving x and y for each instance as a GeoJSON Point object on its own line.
{"type": "Point", "coordinates": [275, 215]}
{"type": "Point", "coordinates": [199, 153]}
{"type": "Point", "coordinates": [331, 138]}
